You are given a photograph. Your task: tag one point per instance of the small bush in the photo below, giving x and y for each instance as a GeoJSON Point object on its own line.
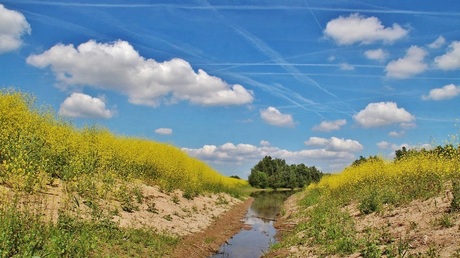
{"type": "Point", "coordinates": [370, 203]}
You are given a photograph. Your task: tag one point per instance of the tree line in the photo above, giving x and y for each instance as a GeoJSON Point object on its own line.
{"type": "Point", "coordinates": [276, 173]}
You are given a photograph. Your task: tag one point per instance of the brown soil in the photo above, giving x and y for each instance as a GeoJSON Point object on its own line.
{"type": "Point", "coordinates": [175, 214]}
{"type": "Point", "coordinates": [207, 242]}
{"type": "Point", "coordinates": [425, 228]}
{"type": "Point", "coordinates": [203, 223]}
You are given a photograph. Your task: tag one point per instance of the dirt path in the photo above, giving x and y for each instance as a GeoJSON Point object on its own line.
{"type": "Point", "coordinates": [207, 242]}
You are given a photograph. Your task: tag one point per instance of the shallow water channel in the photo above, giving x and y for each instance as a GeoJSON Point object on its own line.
{"type": "Point", "coordinates": [258, 232]}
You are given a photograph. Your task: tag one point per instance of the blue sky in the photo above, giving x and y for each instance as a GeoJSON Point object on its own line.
{"type": "Point", "coordinates": [313, 82]}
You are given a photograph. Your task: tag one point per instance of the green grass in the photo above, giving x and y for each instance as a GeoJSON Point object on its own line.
{"type": "Point", "coordinates": [326, 227]}
{"type": "Point", "coordinates": [27, 234]}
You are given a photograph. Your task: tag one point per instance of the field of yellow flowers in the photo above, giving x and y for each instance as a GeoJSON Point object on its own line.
{"type": "Point", "coordinates": [94, 173]}
{"type": "Point", "coordinates": [380, 191]}
{"type": "Point", "coordinates": [37, 148]}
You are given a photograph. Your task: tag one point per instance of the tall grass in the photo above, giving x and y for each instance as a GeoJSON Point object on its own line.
{"type": "Point", "coordinates": [36, 148]}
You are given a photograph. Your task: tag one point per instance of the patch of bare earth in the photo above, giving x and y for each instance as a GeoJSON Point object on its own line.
{"type": "Point", "coordinates": [208, 241]}
{"type": "Point", "coordinates": [421, 228]}
{"type": "Point", "coordinates": [174, 214]}
{"type": "Point", "coordinates": [203, 223]}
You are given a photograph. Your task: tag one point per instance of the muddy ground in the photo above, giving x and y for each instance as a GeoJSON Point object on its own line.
{"type": "Point", "coordinates": [208, 241]}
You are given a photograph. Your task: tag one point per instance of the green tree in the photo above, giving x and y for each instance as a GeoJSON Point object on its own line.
{"type": "Point", "coordinates": [258, 179]}
{"type": "Point", "coordinates": [276, 173]}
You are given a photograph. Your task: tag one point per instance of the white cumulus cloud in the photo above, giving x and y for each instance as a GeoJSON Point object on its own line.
{"type": "Point", "coordinates": [411, 64]}
{"type": "Point", "coordinates": [383, 145]}
{"type": "Point", "coordinates": [316, 141]}
{"type": "Point", "coordinates": [447, 92]}
{"type": "Point", "coordinates": [273, 116]}
{"type": "Point", "coordinates": [439, 42]}
{"type": "Point", "coordinates": [165, 131]}
{"type": "Point", "coordinates": [450, 60]}
{"type": "Point", "coordinates": [396, 134]}
{"type": "Point", "coordinates": [13, 25]}
{"type": "Point", "coordinates": [335, 144]}
{"type": "Point", "coordinates": [229, 153]}
{"type": "Point", "coordinates": [359, 29]}
{"type": "Point", "coordinates": [85, 106]}
{"type": "Point", "coordinates": [327, 126]}
{"type": "Point", "coordinates": [117, 66]}
{"type": "Point", "coordinates": [382, 114]}
{"type": "Point", "coordinates": [376, 54]}
{"type": "Point", "coordinates": [264, 143]}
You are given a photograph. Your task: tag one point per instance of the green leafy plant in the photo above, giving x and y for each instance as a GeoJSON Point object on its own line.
{"type": "Point", "coordinates": [370, 203]}
{"type": "Point", "coordinates": [444, 221]}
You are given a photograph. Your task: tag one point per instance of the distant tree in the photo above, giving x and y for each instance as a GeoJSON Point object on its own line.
{"type": "Point", "coordinates": [235, 176]}
{"type": "Point", "coordinates": [359, 161]}
{"type": "Point", "coordinates": [275, 173]}
{"type": "Point", "coordinates": [400, 154]}
{"type": "Point", "coordinates": [363, 160]}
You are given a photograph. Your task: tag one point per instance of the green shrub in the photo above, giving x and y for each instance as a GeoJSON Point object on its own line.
{"type": "Point", "coordinates": [370, 203]}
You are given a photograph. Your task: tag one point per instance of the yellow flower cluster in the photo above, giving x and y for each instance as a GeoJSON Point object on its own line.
{"type": "Point", "coordinates": [421, 174]}
{"type": "Point", "coordinates": [36, 147]}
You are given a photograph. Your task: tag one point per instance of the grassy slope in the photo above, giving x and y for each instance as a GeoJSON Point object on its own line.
{"type": "Point", "coordinates": [334, 216]}
{"type": "Point", "coordinates": [37, 150]}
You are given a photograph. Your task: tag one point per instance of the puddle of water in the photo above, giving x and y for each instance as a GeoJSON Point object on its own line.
{"type": "Point", "coordinates": [258, 232]}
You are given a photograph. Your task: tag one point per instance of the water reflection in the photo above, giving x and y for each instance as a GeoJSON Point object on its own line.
{"type": "Point", "coordinates": [258, 233]}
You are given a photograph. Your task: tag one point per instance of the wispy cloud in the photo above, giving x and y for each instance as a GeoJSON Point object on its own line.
{"type": "Point", "coordinates": [233, 65]}
{"type": "Point", "coordinates": [282, 92]}
{"type": "Point", "coordinates": [275, 57]}
{"type": "Point", "coordinates": [234, 7]}
{"type": "Point", "coordinates": [264, 48]}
